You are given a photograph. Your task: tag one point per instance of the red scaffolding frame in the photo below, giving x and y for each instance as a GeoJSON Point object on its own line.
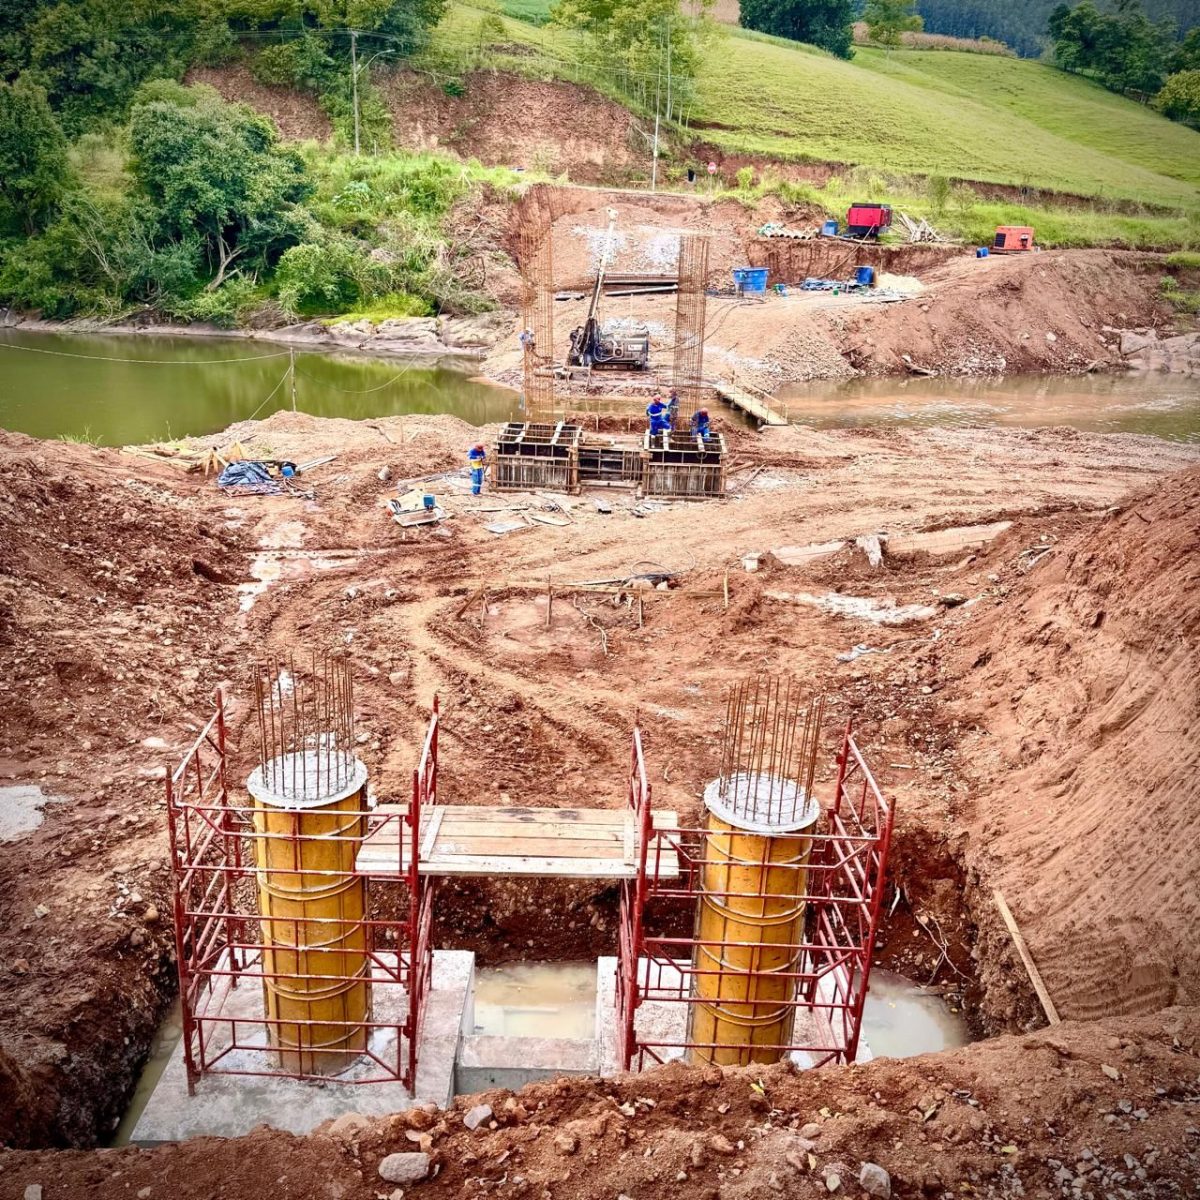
{"type": "Point", "coordinates": [218, 928]}
{"type": "Point", "coordinates": [847, 866]}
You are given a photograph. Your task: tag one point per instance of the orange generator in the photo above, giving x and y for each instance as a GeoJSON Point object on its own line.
{"type": "Point", "coordinates": [1013, 239]}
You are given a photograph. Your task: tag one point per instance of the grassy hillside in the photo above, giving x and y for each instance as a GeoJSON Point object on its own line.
{"type": "Point", "coordinates": [970, 117]}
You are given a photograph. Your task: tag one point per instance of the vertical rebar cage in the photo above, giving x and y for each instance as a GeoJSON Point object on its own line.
{"type": "Point", "coordinates": [748, 956]}
{"type": "Point", "coordinates": [310, 800]}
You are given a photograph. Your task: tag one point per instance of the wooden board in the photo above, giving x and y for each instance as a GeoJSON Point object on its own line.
{"type": "Point", "coordinates": [1035, 976]}
{"type": "Point", "coordinates": [564, 843]}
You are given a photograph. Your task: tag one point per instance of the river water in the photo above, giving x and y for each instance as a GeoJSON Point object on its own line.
{"type": "Point", "coordinates": [119, 390]}
{"type": "Point", "coordinates": [1167, 406]}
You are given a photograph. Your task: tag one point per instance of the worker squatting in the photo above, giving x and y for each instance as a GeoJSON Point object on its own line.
{"type": "Point", "coordinates": [664, 416]}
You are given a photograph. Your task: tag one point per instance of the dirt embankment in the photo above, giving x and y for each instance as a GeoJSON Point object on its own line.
{"type": "Point", "coordinates": [1084, 1109]}
{"type": "Point", "coordinates": [111, 590]}
{"type": "Point", "coordinates": [1085, 681]}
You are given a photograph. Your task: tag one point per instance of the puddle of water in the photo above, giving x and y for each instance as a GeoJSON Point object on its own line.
{"type": "Point", "coordinates": [21, 810]}
{"type": "Point", "coordinates": [544, 1000]}
{"type": "Point", "coordinates": [161, 1049]}
{"type": "Point", "coordinates": [899, 1021]}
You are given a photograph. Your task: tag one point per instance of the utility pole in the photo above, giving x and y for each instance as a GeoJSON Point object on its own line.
{"type": "Point", "coordinates": [354, 82]}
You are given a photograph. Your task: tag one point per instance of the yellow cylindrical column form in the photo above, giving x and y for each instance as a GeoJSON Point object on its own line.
{"type": "Point", "coordinates": [313, 907]}
{"type": "Point", "coordinates": [749, 923]}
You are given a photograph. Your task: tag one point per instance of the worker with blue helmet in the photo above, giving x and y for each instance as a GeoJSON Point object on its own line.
{"type": "Point", "coordinates": [476, 463]}
{"type": "Point", "coordinates": [660, 416]}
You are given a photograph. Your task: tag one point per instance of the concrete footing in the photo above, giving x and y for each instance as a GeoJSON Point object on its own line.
{"type": "Point", "coordinates": [232, 1105]}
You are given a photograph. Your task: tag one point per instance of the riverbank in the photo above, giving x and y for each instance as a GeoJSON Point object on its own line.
{"type": "Point", "coordinates": [1066, 312]}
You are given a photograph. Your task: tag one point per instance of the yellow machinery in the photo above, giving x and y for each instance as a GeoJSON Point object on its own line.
{"type": "Point", "coordinates": [312, 905]}
{"type": "Point", "coordinates": [753, 878]}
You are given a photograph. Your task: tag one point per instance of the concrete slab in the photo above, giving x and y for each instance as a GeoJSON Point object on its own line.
{"type": "Point", "coordinates": [666, 1020]}
{"type": "Point", "coordinates": [488, 1061]}
{"type": "Point", "coordinates": [232, 1105]}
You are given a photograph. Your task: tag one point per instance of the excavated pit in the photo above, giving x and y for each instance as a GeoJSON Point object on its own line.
{"type": "Point", "coordinates": [84, 986]}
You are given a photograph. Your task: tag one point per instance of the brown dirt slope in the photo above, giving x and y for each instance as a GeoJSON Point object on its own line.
{"type": "Point", "coordinates": [1086, 679]}
{"type": "Point", "coordinates": [104, 576]}
{"type": "Point", "coordinates": [1081, 1110]}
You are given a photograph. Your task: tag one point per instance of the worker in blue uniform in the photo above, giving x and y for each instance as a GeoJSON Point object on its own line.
{"type": "Point", "coordinates": [673, 410]}
{"type": "Point", "coordinates": [477, 462]}
{"type": "Point", "coordinates": [701, 426]}
{"type": "Point", "coordinates": [660, 416]}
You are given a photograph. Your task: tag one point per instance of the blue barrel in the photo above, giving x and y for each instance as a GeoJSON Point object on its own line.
{"type": "Point", "coordinates": [829, 229]}
{"type": "Point", "coordinates": [864, 276]}
{"type": "Point", "coordinates": [751, 280]}
{"type": "Point", "coordinates": [982, 252]}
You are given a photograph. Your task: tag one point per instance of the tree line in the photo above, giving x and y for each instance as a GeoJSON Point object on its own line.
{"type": "Point", "coordinates": [1127, 52]}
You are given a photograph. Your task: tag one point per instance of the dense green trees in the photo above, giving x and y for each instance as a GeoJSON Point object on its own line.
{"type": "Point", "coordinates": [1180, 97]}
{"type": "Point", "coordinates": [92, 55]}
{"type": "Point", "coordinates": [33, 157]}
{"type": "Point", "coordinates": [1022, 23]}
{"type": "Point", "coordinates": [824, 23]}
{"type": "Point", "coordinates": [1121, 49]}
{"type": "Point", "coordinates": [649, 48]}
{"type": "Point", "coordinates": [212, 195]}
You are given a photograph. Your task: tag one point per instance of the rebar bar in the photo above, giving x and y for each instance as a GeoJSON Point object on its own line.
{"type": "Point", "coordinates": [690, 303]}
{"type": "Point", "coordinates": [306, 726]}
{"type": "Point", "coordinates": [537, 318]}
{"type": "Point", "coordinates": [769, 752]}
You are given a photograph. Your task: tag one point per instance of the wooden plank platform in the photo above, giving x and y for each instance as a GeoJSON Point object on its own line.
{"type": "Point", "coordinates": [563, 843]}
{"type": "Point", "coordinates": [760, 410]}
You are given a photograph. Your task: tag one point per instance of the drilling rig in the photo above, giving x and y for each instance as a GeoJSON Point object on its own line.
{"type": "Point", "coordinates": [592, 345]}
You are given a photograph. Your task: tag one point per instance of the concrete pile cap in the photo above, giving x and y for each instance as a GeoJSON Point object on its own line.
{"type": "Point", "coordinates": [751, 802]}
{"type": "Point", "coordinates": [348, 779]}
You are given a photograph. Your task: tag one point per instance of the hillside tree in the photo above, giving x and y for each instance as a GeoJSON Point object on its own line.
{"type": "Point", "coordinates": [33, 157]}
{"type": "Point", "coordinates": [1123, 49]}
{"type": "Point", "coordinates": [214, 173]}
{"type": "Point", "coordinates": [824, 23]}
{"type": "Point", "coordinates": [640, 47]}
{"type": "Point", "coordinates": [888, 20]}
{"type": "Point", "coordinates": [1180, 98]}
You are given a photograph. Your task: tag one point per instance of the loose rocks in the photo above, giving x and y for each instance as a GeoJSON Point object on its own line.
{"type": "Point", "coordinates": [404, 1168]}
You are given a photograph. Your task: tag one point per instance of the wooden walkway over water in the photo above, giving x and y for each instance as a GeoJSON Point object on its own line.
{"type": "Point", "coordinates": [759, 407]}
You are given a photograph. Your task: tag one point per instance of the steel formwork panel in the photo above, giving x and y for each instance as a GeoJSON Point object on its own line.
{"type": "Point", "coordinates": [843, 893]}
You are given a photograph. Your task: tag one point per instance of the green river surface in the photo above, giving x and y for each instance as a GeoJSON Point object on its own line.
{"type": "Point", "coordinates": [126, 389]}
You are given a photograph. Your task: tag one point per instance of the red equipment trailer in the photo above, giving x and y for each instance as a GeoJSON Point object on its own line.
{"type": "Point", "coordinates": [868, 220]}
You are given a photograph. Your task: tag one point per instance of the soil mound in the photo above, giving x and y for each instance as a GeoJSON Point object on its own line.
{"type": "Point", "coordinates": [1088, 675]}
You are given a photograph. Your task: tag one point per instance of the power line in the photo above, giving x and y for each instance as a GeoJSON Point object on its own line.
{"type": "Point", "coordinates": [149, 362]}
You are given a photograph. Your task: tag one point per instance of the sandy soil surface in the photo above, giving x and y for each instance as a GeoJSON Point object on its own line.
{"type": "Point", "coordinates": [128, 591]}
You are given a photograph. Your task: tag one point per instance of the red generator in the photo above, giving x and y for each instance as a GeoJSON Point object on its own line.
{"type": "Point", "coordinates": [868, 220]}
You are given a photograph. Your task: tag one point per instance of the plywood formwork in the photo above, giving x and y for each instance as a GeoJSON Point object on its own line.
{"type": "Point", "coordinates": [684, 466]}
{"type": "Point", "coordinates": [466, 840]}
{"type": "Point", "coordinates": [535, 455]}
